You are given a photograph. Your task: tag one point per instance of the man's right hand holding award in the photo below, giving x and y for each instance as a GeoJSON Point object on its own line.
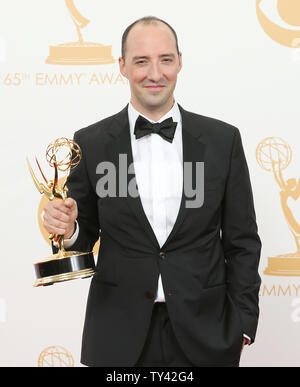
{"type": "Point", "coordinates": [60, 217]}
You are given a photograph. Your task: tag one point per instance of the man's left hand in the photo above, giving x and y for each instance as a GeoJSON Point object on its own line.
{"type": "Point", "coordinates": [245, 342]}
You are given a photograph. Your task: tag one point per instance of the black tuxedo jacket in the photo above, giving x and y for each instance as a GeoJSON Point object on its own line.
{"type": "Point", "coordinates": [209, 262]}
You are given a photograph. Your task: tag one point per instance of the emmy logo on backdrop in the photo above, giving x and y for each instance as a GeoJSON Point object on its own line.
{"type": "Point", "coordinates": [63, 155]}
{"type": "Point", "coordinates": [55, 356]}
{"type": "Point", "coordinates": [80, 52]}
{"type": "Point", "coordinates": [274, 155]}
{"type": "Point", "coordinates": [289, 12]}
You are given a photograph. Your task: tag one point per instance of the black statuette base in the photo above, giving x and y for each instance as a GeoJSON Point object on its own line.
{"type": "Point", "coordinates": [58, 269]}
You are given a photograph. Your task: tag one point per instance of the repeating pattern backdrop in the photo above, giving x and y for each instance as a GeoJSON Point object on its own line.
{"type": "Point", "coordinates": [241, 64]}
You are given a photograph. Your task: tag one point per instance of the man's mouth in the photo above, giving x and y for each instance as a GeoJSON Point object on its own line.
{"type": "Point", "coordinates": [154, 87]}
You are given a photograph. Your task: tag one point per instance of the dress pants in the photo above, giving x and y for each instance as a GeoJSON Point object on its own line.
{"type": "Point", "coordinates": [161, 348]}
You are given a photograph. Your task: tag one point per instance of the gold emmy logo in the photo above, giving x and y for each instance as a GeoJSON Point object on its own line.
{"type": "Point", "coordinates": [289, 11]}
{"type": "Point", "coordinates": [274, 155]}
{"type": "Point", "coordinates": [44, 200]}
{"type": "Point", "coordinates": [80, 52]}
{"type": "Point", "coordinates": [55, 356]}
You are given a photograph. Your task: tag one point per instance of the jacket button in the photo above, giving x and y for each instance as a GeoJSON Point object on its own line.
{"type": "Point", "coordinates": [162, 255]}
{"type": "Point", "coordinates": [149, 295]}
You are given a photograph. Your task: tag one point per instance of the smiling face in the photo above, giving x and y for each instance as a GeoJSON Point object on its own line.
{"type": "Point", "coordinates": [151, 65]}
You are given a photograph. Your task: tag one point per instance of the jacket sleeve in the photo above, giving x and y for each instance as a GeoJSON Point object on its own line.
{"type": "Point", "coordinates": [240, 239]}
{"type": "Point", "coordinates": [81, 190]}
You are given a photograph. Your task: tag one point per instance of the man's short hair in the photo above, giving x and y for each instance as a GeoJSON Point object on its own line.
{"type": "Point", "coordinates": [147, 20]}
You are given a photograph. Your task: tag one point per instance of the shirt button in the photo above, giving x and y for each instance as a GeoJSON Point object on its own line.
{"type": "Point", "coordinates": [162, 255]}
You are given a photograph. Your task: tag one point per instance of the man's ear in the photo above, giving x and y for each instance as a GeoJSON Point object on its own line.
{"type": "Point", "coordinates": [180, 61]}
{"type": "Point", "coordinates": [122, 67]}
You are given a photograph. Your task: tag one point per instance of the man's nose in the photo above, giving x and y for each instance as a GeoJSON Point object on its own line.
{"type": "Point", "coordinates": [154, 73]}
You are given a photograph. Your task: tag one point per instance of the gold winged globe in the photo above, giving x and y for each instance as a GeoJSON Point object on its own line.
{"type": "Point", "coordinates": [63, 155]}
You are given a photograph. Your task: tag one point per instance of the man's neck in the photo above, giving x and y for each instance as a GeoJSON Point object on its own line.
{"type": "Point", "coordinates": [156, 113]}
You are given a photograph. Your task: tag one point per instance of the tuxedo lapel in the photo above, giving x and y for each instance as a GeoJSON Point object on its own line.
{"type": "Point", "coordinates": [193, 151]}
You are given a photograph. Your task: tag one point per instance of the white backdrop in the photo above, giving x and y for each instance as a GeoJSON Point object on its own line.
{"type": "Point", "coordinates": [232, 70]}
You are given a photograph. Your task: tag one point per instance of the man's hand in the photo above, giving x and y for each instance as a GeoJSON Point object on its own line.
{"type": "Point", "coordinates": [245, 342]}
{"type": "Point", "coordinates": [60, 216]}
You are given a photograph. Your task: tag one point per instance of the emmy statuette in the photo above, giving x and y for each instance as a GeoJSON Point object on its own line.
{"type": "Point", "coordinates": [63, 155]}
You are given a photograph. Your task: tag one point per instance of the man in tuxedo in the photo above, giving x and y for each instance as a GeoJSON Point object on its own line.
{"type": "Point", "coordinates": [177, 281]}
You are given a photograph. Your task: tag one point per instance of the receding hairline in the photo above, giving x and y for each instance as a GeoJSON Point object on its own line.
{"type": "Point", "coordinates": [147, 21]}
{"type": "Point", "coordinates": [150, 21]}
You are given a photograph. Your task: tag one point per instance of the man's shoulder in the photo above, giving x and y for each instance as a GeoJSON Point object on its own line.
{"type": "Point", "coordinates": [103, 127]}
{"type": "Point", "coordinates": [209, 125]}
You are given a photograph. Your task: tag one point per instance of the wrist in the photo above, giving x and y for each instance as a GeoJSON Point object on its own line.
{"type": "Point", "coordinates": [70, 233]}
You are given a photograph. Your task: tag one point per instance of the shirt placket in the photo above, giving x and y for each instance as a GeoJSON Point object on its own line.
{"type": "Point", "coordinates": [157, 188]}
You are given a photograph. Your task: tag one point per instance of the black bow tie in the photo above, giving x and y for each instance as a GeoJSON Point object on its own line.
{"type": "Point", "coordinates": [165, 129]}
